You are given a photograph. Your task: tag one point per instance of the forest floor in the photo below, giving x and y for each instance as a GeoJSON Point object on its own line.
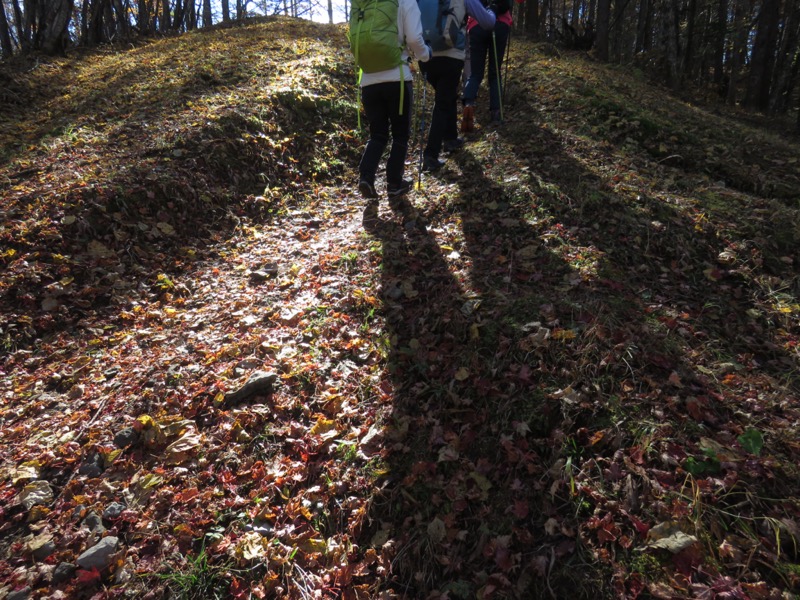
{"type": "Point", "coordinates": [565, 366]}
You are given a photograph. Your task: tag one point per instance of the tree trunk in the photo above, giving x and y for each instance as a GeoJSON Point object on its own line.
{"type": "Point", "coordinates": [688, 55]}
{"type": "Point", "coordinates": [741, 32]}
{"type": "Point", "coordinates": [5, 36]}
{"type": "Point", "coordinates": [143, 17]}
{"type": "Point", "coordinates": [763, 61]}
{"type": "Point", "coordinates": [166, 18]}
{"type": "Point", "coordinates": [780, 95]}
{"type": "Point", "coordinates": [532, 16]}
{"type": "Point", "coordinates": [94, 21]}
{"type": "Point", "coordinates": [644, 26]}
{"type": "Point", "coordinates": [124, 12]}
{"type": "Point", "coordinates": [110, 28]}
{"type": "Point", "coordinates": [207, 13]}
{"type": "Point", "coordinates": [85, 20]}
{"type": "Point", "coordinates": [226, 11]}
{"type": "Point", "coordinates": [25, 19]}
{"type": "Point", "coordinates": [617, 30]}
{"type": "Point", "coordinates": [190, 15]}
{"type": "Point", "coordinates": [601, 40]}
{"type": "Point", "coordinates": [53, 33]}
{"type": "Point", "coordinates": [719, 50]}
{"type": "Point", "coordinates": [177, 15]}
{"type": "Point", "coordinates": [673, 45]}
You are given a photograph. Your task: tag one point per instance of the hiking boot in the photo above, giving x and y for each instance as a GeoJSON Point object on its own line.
{"type": "Point", "coordinates": [468, 119]}
{"type": "Point", "coordinates": [396, 190]}
{"type": "Point", "coordinates": [431, 164]}
{"type": "Point", "coordinates": [454, 145]}
{"type": "Point", "coordinates": [367, 189]}
{"type": "Point", "coordinates": [497, 117]}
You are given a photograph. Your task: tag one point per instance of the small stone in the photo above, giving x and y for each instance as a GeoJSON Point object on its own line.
{"type": "Point", "coordinates": [22, 594]}
{"type": "Point", "coordinates": [44, 551]}
{"type": "Point", "coordinates": [93, 522]}
{"type": "Point", "coordinates": [267, 271]}
{"type": "Point", "coordinates": [93, 467]}
{"type": "Point", "coordinates": [99, 556]}
{"type": "Point", "coordinates": [76, 391]}
{"type": "Point", "coordinates": [259, 383]}
{"type": "Point", "coordinates": [63, 572]}
{"type": "Point", "coordinates": [126, 437]}
{"type": "Point", "coordinates": [113, 511]}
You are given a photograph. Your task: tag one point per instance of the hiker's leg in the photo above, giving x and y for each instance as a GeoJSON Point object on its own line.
{"type": "Point", "coordinates": [376, 108]}
{"type": "Point", "coordinates": [401, 131]}
{"type": "Point", "coordinates": [447, 96]}
{"type": "Point", "coordinates": [436, 72]}
{"type": "Point", "coordinates": [478, 46]}
{"type": "Point", "coordinates": [498, 46]}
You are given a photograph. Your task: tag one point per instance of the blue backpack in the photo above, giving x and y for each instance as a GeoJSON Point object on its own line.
{"type": "Point", "coordinates": [442, 25]}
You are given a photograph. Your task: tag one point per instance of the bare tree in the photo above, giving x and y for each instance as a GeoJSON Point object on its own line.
{"type": "Point", "coordinates": [207, 17]}
{"type": "Point", "coordinates": [762, 62]}
{"type": "Point", "coordinates": [603, 23]}
{"type": "Point", "coordinates": [741, 31]}
{"type": "Point", "coordinates": [786, 63]}
{"type": "Point", "coordinates": [5, 35]}
{"type": "Point", "coordinates": [52, 33]}
{"type": "Point", "coordinates": [644, 26]}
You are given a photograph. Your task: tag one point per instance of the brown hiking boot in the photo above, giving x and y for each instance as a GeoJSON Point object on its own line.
{"type": "Point", "coordinates": [468, 119]}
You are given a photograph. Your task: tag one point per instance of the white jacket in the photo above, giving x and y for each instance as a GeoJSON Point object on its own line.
{"type": "Point", "coordinates": [409, 35]}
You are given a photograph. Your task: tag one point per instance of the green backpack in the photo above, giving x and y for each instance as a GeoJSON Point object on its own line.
{"type": "Point", "coordinates": [373, 38]}
{"type": "Point", "coordinates": [373, 35]}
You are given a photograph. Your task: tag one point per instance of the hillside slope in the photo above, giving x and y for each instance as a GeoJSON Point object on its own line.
{"type": "Point", "coordinates": [565, 367]}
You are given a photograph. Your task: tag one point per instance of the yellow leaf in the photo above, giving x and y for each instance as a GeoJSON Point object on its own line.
{"type": "Point", "coordinates": [563, 334]}
{"type": "Point", "coordinates": [28, 471]}
{"type": "Point", "coordinates": [462, 374]}
{"type": "Point", "coordinates": [324, 426]}
{"type": "Point", "coordinates": [252, 546]}
{"type": "Point", "coordinates": [313, 545]}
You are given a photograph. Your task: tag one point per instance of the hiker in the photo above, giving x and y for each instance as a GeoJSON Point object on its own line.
{"type": "Point", "coordinates": [485, 43]}
{"type": "Point", "coordinates": [443, 72]}
{"type": "Point", "coordinates": [387, 99]}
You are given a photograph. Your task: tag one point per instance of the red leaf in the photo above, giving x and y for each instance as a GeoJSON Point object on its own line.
{"type": "Point", "coordinates": [88, 576]}
{"type": "Point", "coordinates": [521, 509]}
{"type": "Point", "coordinates": [695, 409]}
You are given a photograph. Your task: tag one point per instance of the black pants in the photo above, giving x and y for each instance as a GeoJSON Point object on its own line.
{"type": "Point", "coordinates": [482, 45]}
{"type": "Point", "coordinates": [382, 106]}
{"type": "Point", "coordinates": [444, 74]}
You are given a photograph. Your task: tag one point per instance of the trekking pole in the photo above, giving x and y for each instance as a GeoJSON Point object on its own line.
{"type": "Point", "coordinates": [508, 53]}
{"type": "Point", "coordinates": [421, 129]}
{"type": "Point", "coordinates": [497, 71]}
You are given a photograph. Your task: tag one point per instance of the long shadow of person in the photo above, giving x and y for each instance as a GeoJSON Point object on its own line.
{"type": "Point", "coordinates": [658, 341]}
{"type": "Point", "coordinates": [461, 460]}
{"type": "Point", "coordinates": [544, 355]}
